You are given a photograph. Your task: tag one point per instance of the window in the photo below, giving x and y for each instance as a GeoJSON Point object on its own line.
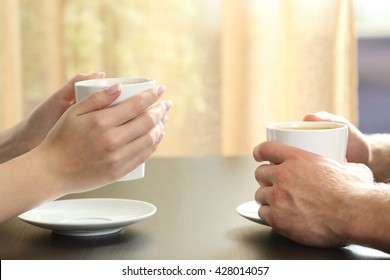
{"type": "Point", "coordinates": [373, 31]}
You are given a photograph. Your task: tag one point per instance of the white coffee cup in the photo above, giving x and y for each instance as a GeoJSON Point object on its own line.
{"type": "Point", "coordinates": [328, 139]}
{"type": "Point", "coordinates": [129, 87]}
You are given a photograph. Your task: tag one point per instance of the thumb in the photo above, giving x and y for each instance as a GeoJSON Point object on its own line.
{"type": "Point", "coordinates": [67, 91]}
{"type": "Point", "coordinates": [98, 100]}
{"type": "Point", "coordinates": [319, 116]}
{"type": "Point", "coordinates": [325, 116]}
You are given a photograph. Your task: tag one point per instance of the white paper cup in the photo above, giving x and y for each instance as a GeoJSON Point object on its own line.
{"type": "Point", "coordinates": [130, 87]}
{"type": "Point", "coordinates": [328, 139]}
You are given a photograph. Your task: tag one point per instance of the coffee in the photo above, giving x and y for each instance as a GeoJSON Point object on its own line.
{"type": "Point", "coordinates": [129, 83]}
{"type": "Point", "coordinates": [306, 127]}
{"type": "Point", "coordinates": [327, 139]}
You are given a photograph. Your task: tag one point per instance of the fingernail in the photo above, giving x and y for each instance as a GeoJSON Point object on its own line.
{"type": "Point", "coordinates": [160, 138]}
{"type": "Point", "coordinates": [161, 125]}
{"type": "Point", "coordinates": [164, 119]}
{"type": "Point", "coordinates": [167, 104]}
{"type": "Point", "coordinates": [101, 74]}
{"type": "Point", "coordinates": [161, 90]}
{"type": "Point", "coordinates": [114, 88]}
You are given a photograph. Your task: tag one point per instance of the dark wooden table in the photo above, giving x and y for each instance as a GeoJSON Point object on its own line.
{"type": "Point", "coordinates": [196, 218]}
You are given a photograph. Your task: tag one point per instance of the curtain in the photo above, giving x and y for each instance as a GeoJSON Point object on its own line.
{"type": "Point", "coordinates": [282, 59]}
{"type": "Point", "coordinates": [11, 107]}
{"type": "Point", "coordinates": [230, 67]}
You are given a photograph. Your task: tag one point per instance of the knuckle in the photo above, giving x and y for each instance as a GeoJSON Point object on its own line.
{"type": "Point", "coordinates": [281, 175]}
{"type": "Point", "coordinates": [258, 174]}
{"type": "Point", "coordinates": [144, 156]}
{"type": "Point", "coordinates": [99, 124]}
{"type": "Point", "coordinates": [152, 93]}
{"type": "Point", "coordinates": [143, 101]}
{"type": "Point", "coordinates": [95, 100]}
{"type": "Point", "coordinates": [139, 104]}
{"type": "Point", "coordinates": [273, 197]}
{"type": "Point", "coordinates": [149, 121]}
{"type": "Point", "coordinates": [258, 150]}
{"type": "Point", "coordinates": [273, 219]}
{"type": "Point", "coordinates": [149, 139]}
{"type": "Point", "coordinates": [297, 155]}
{"type": "Point", "coordinates": [111, 143]}
{"type": "Point", "coordinates": [111, 162]}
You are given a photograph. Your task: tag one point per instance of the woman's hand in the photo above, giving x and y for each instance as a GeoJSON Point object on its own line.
{"type": "Point", "coordinates": [78, 147]}
{"type": "Point", "coordinates": [34, 129]}
{"type": "Point", "coordinates": [92, 144]}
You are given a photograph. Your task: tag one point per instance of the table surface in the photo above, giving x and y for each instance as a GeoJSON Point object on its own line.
{"type": "Point", "coordinates": [196, 218]}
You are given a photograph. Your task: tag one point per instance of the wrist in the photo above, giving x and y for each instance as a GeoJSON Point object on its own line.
{"type": "Point", "coordinates": [58, 184]}
{"type": "Point", "coordinates": [13, 143]}
{"type": "Point", "coordinates": [51, 185]}
{"type": "Point", "coordinates": [26, 184]}
{"type": "Point", "coordinates": [366, 223]}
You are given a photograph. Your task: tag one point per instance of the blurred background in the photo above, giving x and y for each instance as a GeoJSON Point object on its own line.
{"type": "Point", "coordinates": [230, 67]}
{"type": "Point", "coordinates": [373, 34]}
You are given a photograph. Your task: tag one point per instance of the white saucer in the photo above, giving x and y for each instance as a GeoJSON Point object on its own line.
{"type": "Point", "coordinates": [88, 217]}
{"type": "Point", "coordinates": [250, 210]}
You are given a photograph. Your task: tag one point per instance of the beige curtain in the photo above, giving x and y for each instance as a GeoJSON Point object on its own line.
{"type": "Point", "coordinates": [282, 59]}
{"type": "Point", "coordinates": [230, 66]}
{"type": "Point", "coordinates": [10, 62]}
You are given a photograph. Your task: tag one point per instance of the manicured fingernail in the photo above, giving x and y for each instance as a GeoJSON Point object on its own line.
{"type": "Point", "coordinates": [164, 119]}
{"type": "Point", "coordinates": [161, 125]}
{"type": "Point", "coordinates": [114, 88]}
{"type": "Point", "coordinates": [167, 104]}
{"type": "Point", "coordinates": [161, 90]}
{"type": "Point", "coordinates": [160, 138]}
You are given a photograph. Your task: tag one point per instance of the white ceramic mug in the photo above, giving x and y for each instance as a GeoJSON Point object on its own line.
{"type": "Point", "coordinates": [130, 87]}
{"type": "Point", "coordinates": [328, 139]}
